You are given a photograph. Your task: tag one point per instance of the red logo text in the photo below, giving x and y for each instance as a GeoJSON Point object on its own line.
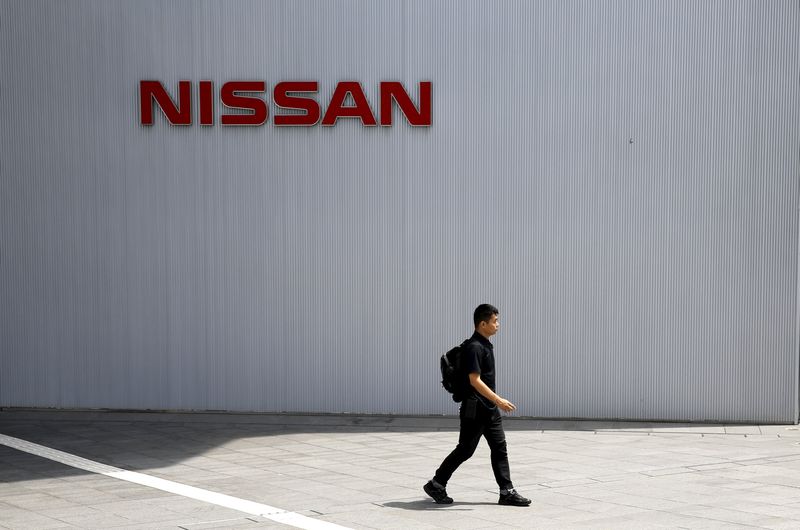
{"type": "Point", "coordinates": [296, 96]}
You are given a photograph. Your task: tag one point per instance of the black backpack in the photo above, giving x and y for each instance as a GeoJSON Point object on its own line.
{"type": "Point", "coordinates": [454, 380]}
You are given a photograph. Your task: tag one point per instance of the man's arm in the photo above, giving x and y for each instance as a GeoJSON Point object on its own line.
{"type": "Point", "coordinates": [485, 391]}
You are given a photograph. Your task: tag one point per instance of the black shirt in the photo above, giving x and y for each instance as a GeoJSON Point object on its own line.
{"type": "Point", "coordinates": [478, 356]}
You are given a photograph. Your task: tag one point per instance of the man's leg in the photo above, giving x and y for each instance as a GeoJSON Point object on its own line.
{"type": "Point", "coordinates": [497, 444]}
{"type": "Point", "coordinates": [496, 438]}
{"type": "Point", "coordinates": [468, 438]}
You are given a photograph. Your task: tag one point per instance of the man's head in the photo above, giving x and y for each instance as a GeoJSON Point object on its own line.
{"type": "Point", "coordinates": [486, 320]}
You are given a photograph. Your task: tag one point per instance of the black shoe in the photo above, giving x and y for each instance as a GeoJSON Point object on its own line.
{"type": "Point", "coordinates": [512, 498]}
{"type": "Point", "coordinates": [437, 494]}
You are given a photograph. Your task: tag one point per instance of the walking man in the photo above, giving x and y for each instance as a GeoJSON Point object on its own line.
{"type": "Point", "coordinates": [480, 414]}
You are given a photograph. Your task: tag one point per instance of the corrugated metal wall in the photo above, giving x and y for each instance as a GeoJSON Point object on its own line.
{"type": "Point", "coordinates": [620, 178]}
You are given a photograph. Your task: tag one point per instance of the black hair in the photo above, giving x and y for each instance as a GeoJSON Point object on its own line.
{"type": "Point", "coordinates": [484, 313]}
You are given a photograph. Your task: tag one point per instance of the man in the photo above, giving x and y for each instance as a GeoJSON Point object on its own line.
{"type": "Point", "coordinates": [480, 414]}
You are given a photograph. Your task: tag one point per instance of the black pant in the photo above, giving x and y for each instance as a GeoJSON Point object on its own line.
{"type": "Point", "coordinates": [484, 422]}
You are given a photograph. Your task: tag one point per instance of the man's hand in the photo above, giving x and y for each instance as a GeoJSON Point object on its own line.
{"type": "Point", "coordinates": [505, 405]}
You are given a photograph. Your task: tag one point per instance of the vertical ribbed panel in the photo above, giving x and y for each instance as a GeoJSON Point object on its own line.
{"type": "Point", "coordinates": [620, 178]}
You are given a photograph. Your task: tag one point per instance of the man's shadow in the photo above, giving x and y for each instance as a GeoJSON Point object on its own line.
{"type": "Point", "coordinates": [424, 504]}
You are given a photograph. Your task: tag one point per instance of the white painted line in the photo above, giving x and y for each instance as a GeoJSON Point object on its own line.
{"type": "Point", "coordinates": [234, 503]}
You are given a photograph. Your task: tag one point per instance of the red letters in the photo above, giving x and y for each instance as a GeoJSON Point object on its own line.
{"type": "Point", "coordinates": [290, 95]}
{"type": "Point", "coordinates": [206, 103]}
{"type": "Point", "coordinates": [337, 109]}
{"type": "Point", "coordinates": [176, 115]}
{"type": "Point", "coordinates": [230, 97]}
{"type": "Point", "coordinates": [394, 90]}
{"type": "Point", "coordinates": [285, 101]}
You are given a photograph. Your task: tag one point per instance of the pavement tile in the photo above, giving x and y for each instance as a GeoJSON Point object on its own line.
{"type": "Point", "coordinates": [779, 493]}
{"type": "Point", "coordinates": [791, 513]}
{"type": "Point", "coordinates": [567, 483]}
{"type": "Point", "coordinates": [67, 513]}
{"type": "Point", "coordinates": [614, 477]}
{"type": "Point", "coordinates": [742, 429]}
{"type": "Point", "coordinates": [95, 520]}
{"type": "Point", "coordinates": [135, 511]}
{"type": "Point", "coordinates": [237, 522]}
{"type": "Point", "coordinates": [34, 500]}
{"type": "Point", "coordinates": [667, 471]}
{"type": "Point", "coordinates": [34, 520]}
{"type": "Point", "coordinates": [649, 520]}
{"type": "Point", "coordinates": [606, 509]}
{"type": "Point", "coordinates": [713, 466]}
{"type": "Point", "coordinates": [726, 515]}
{"type": "Point", "coordinates": [84, 496]}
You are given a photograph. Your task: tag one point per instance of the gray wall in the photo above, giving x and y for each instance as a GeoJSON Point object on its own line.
{"type": "Point", "coordinates": [620, 178]}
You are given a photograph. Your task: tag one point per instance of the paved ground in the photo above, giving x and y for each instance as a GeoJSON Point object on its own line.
{"type": "Point", "coordinates": [367, 472]}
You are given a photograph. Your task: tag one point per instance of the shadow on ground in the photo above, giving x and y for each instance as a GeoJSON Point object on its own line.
{"type": "Point", "coordinates": [427, 505]}
{"type": "Point", "coordinates": [139, 441]}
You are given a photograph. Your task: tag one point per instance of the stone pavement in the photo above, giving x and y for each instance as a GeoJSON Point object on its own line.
{"type": "Point", "coordinates": [367, 472]}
